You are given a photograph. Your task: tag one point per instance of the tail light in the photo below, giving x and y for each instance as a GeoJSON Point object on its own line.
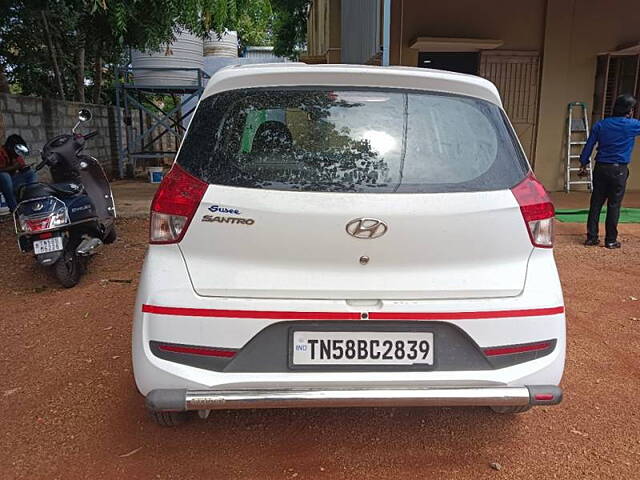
{"type": "Point", "coordinates": [57, 218]}
{"type": "Point", "coordinates": [537, 210]}
{"type": "Point", "coordinates": [35, 224]}
{"type": "Point", "coordinates": [174, 205]}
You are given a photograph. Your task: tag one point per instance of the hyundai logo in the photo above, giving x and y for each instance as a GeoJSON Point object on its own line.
{"type": "Point", "coordinates": [366, 228]}
{"type": "Point", "coordinates": [36, 207]}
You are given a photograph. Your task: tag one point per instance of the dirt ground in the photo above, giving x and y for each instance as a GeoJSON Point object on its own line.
{"type": "Point", "coordinates": [133, 197]}
{"type": "Point", "coordinates": [70, 408]}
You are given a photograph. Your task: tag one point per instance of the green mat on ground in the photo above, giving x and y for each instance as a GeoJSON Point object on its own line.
{"type": "Point", "coordinates": [627, 215]}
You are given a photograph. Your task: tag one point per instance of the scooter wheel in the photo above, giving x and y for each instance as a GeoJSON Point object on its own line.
{"type": "Point", "coordinates": [68, 269]}
{"type": "Point", "coordinates": [111, 236]}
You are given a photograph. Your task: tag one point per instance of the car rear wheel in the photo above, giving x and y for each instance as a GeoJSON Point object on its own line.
{"type": "Point", "coordinates": [511, 410]}
{"type": "Point", "coordinates": [169, 419]}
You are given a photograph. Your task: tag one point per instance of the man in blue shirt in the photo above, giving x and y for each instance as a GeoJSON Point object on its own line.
{"type": "Point", "coordinates": [615, 137]}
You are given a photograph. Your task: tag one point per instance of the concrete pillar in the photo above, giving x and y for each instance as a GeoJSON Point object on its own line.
{"type": "Point", "coordinates": [335, 32]}
{"type": "Point", "coordinates": [554, 90]}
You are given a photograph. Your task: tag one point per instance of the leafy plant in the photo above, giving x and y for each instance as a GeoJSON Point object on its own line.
{"type": "Point", "coordinates": [290, 26]}
{"type": "Point", "coordinates": [67, 48]}
{"type": "Point", "coordinates": [255, 24]}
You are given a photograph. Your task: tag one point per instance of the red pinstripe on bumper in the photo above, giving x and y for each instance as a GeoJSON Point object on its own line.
{"type": "Point", "coordinates": [292, 315]}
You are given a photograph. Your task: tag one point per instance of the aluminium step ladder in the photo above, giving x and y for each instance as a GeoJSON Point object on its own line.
{"type": "Point", "coordinates": [577, 134]}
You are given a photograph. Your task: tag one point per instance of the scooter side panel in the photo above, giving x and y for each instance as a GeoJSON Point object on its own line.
{"type": "Point", "coordinates": [97, 186]}
{"type": "Point", "coordinates": [80, 208]}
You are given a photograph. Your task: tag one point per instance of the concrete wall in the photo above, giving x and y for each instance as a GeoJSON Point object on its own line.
{"type": "Point", "coordinates": [519, 24]}
{"type": "Point", "coordinates": [360, 30]}
{"type": "Point", "coordinates": [38, 120]}
{"type": "Point", "coordinates": [568, 33]}
{"type": "Point", "coordinates": [576, 31]}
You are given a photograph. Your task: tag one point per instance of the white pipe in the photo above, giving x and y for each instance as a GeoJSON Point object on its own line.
{"type": "Point", "coordinates": [386, 33]}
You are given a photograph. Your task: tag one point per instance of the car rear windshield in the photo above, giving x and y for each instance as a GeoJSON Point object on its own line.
{"type": "Point", "coordinates": [337, 140]}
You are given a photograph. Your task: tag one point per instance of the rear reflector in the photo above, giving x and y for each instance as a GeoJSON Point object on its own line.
{"type": "Point", "coordinates": [545, 394]}
{"type": "Point", "coordinates": [537, 210]}
{"type": "Point", "coordinates": [174, 205]}
{"type": "Point", "coordinates": [543, 397]}
{"type": "Point", "coordinates": [208, 352]}
{"type": "Point", "coordinates": [531, 347]}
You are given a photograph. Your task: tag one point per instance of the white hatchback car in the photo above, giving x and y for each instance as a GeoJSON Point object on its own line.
{"type": "Point", "coordinates": [349, 236]}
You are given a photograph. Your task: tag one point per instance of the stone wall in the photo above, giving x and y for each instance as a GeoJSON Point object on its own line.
{"type": "Point", "coordinates": [38, 120]}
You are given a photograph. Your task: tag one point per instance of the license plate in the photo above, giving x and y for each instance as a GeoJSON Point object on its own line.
{"type": "Point", "coordinates": [362, 348]}
{"type": "Point", "coordinates": [47, 245]}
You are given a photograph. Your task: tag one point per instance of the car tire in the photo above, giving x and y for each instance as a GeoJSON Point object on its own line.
{"type": "Point", "coordinates": [511, 410]}
{"type": "Point", "coordinates": [169, 419]}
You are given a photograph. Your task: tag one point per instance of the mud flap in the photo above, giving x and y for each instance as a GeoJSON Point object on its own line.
{"type": "Point", "coordinates": [48, 259]}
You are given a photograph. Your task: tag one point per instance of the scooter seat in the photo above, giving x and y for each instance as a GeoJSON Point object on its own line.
{"type": "Point", "coordinates": [67, 188]}
{"type": "Point", "coordinates": [35, 190]}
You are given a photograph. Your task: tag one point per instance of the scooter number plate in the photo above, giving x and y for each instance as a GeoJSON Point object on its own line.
{"type": "Point", "coordinates": [47, 245]}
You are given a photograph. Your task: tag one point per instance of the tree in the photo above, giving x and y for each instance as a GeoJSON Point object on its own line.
{"type": "Point", "coordinates": [59, 48]}
{"type": "Point", "coordinates": [52, 53]}
{"type": "Point", "coordinates": [4, 83]}
{"type": "Point", "coordinates": [255, 24]}
{"type": "Point", "coordinates": [30, 51]}
{"type": "Point", "coordinates": [290, 26]}
{"type": "Point", "coordinates": [66, 48]}
{"type": "Point", "coordinates": [44, 47]}
{"type": "Point", "coordinates": [147, 24]}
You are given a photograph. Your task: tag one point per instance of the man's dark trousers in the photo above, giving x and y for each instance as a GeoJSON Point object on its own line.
{"type": "Point", "coordinates": [609, 183]}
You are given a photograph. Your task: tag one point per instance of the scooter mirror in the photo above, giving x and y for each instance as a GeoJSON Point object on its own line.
{"type": "Point", "coordinates": [21, 150]}
{"type": "Point", "coordinates": [84, 115]}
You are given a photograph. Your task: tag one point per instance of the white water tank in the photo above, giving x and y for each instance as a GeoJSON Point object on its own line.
{"type": "Point", "coordinates": [221, 45]}
{"type": "Point", "coordinates": [184, 52]}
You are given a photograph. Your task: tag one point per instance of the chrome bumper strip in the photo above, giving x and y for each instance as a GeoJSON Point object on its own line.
{"type": "Point", "coordinates": [179, 400]}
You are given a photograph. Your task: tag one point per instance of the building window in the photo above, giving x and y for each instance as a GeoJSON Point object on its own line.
{"type": "Point", "coordinates": [461, 62]}
{"type": "Point", "coordinates": [616, 74]}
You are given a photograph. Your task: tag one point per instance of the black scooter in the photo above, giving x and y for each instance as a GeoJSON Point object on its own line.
{"type": "Point", "coordinates": [67, 221]}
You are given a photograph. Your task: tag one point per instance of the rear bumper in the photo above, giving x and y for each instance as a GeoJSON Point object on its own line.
{"type": "Point", "coordinates": [231, 324]}
{"type": "Point", "coordinates": [183, 400]}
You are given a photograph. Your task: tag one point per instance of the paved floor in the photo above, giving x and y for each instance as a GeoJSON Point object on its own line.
{"type": "Point", "coordinates": [133, 198]}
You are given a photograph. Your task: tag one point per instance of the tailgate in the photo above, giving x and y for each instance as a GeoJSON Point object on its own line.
{"type": "Point", "coordinates": [247, 242]}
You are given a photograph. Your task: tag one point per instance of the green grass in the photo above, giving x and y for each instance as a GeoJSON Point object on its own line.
{"type": "Point", "coordinates": [627, 215]}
